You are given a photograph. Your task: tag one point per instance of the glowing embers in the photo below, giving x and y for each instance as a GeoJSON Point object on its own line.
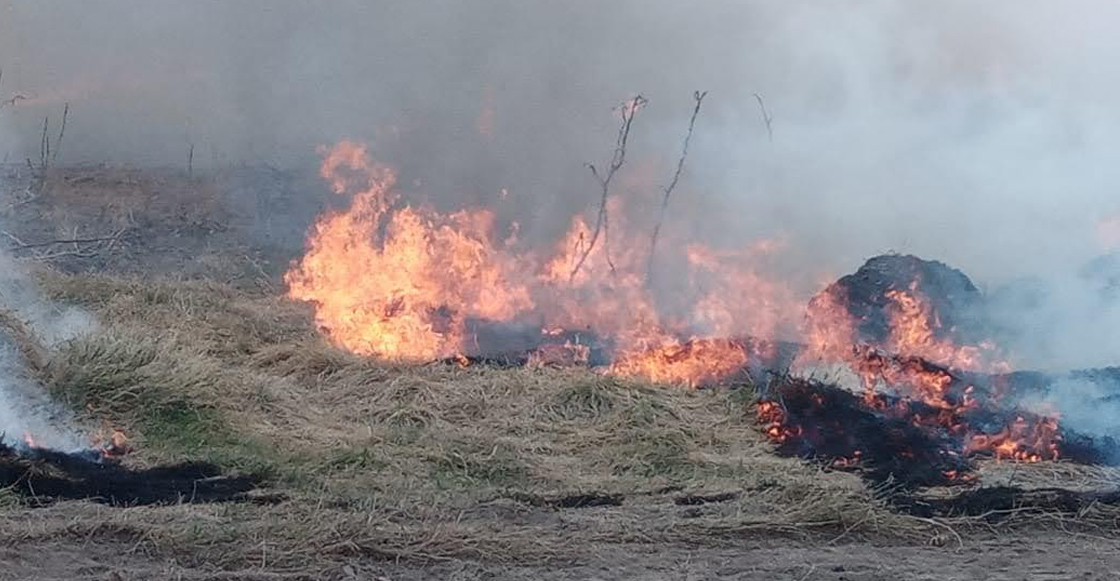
{"type": "Point", "coordinates": [909, 441]}
{"type": "Point", "coordinates": [813, 420]}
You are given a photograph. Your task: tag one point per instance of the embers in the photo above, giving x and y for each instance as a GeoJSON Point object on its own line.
{"type": "Point", "coordinates": [908, 441]}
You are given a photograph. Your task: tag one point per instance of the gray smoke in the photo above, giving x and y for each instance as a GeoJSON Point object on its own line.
{"type": "Point", "coordinates": [25, 410]}
{"type": "Point", "coordinates": [979, 134]}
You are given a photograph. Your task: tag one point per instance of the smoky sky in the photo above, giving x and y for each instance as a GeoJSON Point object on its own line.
{"type": "Point", "coordinates": [981, 134]}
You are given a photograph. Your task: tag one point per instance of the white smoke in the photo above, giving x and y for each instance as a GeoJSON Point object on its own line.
{"type": "Point", "coordinates": [979, 134]}
{"type": "Point", "coordinates": [25, 410]}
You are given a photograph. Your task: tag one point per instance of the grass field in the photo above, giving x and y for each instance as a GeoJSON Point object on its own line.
{"type": "Point", "coordinates": [388, 470]}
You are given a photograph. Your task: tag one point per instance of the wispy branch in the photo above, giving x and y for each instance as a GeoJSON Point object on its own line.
{"type": "Point", "coordinates": [629, 110]}
{"type": "Point", "coordinates": [699, 97]}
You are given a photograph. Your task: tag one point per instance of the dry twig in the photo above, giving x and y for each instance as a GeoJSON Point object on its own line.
{"type": "Point", "coordinates": [79, 247]}
{"type": "Point", "coordinates": [61, 132]}
{"type": "Point", "coordinates": [699, 97]}
{"type": "Point", "coordinates": [766, 117]}
{"type": "Point", "coordinates": [629, 111]}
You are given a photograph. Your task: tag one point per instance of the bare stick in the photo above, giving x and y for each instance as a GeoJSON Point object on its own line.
{"type": "Point", "coordinates": [21, 245]}
{"type": "Point", "coordinates": [767, 117]}
{"type": "Point", "coordinates": [61, 133]}
{"type": "Point", "coordinates": [629, 111]}
{"type": "Point", "coordinates": [190, 161]}
{"type": "Point", "coordinates": [44, 145]}
{"type": "Point", "coordinates": [699, 97]}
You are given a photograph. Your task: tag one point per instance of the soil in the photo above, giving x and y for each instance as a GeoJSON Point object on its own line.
{"type": "Point", "coordinates": [1002, 558]}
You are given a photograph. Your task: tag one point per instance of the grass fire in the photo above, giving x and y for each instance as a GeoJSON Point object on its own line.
{"type": "Point", "coordinates": [506, 290]}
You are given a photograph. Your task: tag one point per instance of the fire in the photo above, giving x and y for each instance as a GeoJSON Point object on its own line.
{"type": "Point", "coordinates": [1022, 441]}
{"type": "Point", "coordinates": [691, 363]}
{"type": "Point", "coordinates": [401, 282]}
{"type": "Point", "coordinates": [915, 359]}
{"type": "Point", "coordinates": [391, 280]}
{"type": "Point", "coordinates": [913, 328]}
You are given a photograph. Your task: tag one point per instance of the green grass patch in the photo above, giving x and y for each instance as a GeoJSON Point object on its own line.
{"type": "Point", "coordinates": [474, 466]}
{"type": "Point", "coordinates": [161, 394]}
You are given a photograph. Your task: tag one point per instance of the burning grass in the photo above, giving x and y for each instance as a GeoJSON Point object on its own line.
{"type": "Point", "coordinates": [385, 460]}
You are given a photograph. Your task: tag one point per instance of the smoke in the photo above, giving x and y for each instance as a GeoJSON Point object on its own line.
{"type": "Point", "coordinates": [976, 134]}
{"type": "Point", "coordinates": [1089, 404]}
{"type": "Point", "coordinates": [25, 410]}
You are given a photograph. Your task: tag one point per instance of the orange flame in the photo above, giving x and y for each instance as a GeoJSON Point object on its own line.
{"type": "Point", "coordinates": [914, 338]}
{"type": "Point", "coordinates": [692, 363]}
{"type": "Point", "coordinates": [401, 283]}
{"type": "Point", "coordinates": [396, 281]}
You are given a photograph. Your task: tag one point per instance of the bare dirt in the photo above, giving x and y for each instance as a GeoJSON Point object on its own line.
{"type": "Point", "coordinates": [1005, 558]}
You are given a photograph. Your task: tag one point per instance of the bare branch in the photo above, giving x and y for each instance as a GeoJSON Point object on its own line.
{"type": "Point", "coordinates": [767, 117]}
{"type": "Point", "coordinates": [629, 110]}
{"type": "Point", "coordinates": [699, 97]}
{"type": "Point", "coordinates": [44, 145]}
{"type": "Point", "coordinates": [20, 245]}
{"type": "Point", "coordinates": [61, 132]}
{"type": "Point", "coordinates": [55, 249]}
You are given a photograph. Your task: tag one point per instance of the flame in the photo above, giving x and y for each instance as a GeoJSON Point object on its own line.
{"type": "Point", "coordinates": [401, 282]}
{"type": "Point", "coordinates": [913, 327]}
{"type": "Point", "coordinates": [694, 362]}
{"type": "Point", "coordinates": [393, 280]}
{"type": "Point", "coordinates": [915, 359]}
{"type": "Point", "coordinates": [1022, 441]}
{"type": "Point", "coordinates": [29, 440]}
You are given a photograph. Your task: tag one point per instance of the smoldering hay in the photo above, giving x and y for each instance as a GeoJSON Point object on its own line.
{"type": "Point", "coordinates": [28, 326]}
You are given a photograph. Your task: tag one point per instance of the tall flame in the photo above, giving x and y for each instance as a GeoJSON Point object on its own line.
{"type": "Point", "coordinates": [400, 283]}
{"type": "Point", "coordinates": [397, 281]}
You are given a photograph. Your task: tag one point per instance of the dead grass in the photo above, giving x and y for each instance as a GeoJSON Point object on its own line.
{"type": "Point", "coordinates": [387, 460]}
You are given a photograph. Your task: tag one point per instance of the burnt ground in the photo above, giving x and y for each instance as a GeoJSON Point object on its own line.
{"type": "Point", "coordinates": [695, 496]}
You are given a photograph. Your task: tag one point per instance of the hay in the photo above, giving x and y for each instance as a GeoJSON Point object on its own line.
{"type": "Point", "coordinates": [387, 460]}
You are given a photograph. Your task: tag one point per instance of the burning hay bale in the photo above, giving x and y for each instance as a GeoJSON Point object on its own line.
{"type": "Point", "coordinates": [872, 293]}
{"type": "Point", "coordinates": [925, 388]}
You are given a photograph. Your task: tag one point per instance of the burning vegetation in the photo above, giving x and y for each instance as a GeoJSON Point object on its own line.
{"type": "Point", "coordinates": [400, 281]}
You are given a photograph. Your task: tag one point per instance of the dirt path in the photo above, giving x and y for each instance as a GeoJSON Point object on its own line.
{"type": "Point", "coordinates": [1042, 557]}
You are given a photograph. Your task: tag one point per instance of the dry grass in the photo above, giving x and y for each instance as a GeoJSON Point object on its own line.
{"type": "Point", "coordinates": [433, 461]}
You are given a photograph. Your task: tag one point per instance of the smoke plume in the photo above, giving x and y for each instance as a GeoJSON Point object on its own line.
{"type": "Point", "coordinates": [976, 134]}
